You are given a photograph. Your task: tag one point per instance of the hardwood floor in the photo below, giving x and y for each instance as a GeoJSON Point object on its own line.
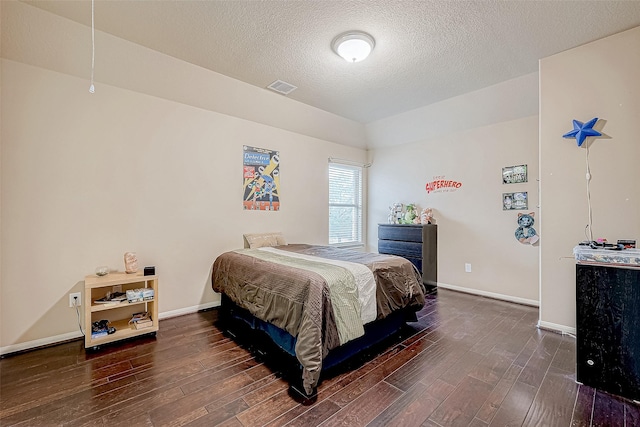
{"type": "Point", "coordinates": [468, 361]}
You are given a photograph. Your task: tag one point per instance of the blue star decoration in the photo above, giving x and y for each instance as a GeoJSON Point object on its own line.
{"type": "Point", "coordinates": [582, 130]}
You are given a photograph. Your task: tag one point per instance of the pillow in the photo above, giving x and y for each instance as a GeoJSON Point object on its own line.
{"type": "Point", "coordinates": [259, 240]}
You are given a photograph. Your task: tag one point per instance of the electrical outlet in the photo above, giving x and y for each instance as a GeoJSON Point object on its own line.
{"type": "Point", "coordinates": [77, 296]}
{"type": "Point", "coordinates": [116, 288]}
{"type": "Point", "coordinates": [467, 267]}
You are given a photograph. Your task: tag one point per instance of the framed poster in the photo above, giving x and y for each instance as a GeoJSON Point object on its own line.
{"type": "Point", "coordinates": [514, 174]}
{"type": "Point", "coordinates": [514, 201]}
{"type": "Point", "coordinates": [260, 179]}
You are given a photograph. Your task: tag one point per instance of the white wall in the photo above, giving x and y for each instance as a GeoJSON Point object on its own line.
{"type": "Point", "coordinates": [1, 238]}
{"type": "Point", "coordinates": [87, 177]}
{"type": "Point", "coordinates": [505, 101]}
{"type": "Point", "coordinates": [472, 226]}
{"type": "Point", "coordinates": [599, 79]}
{"type": "Point", "coordinates": [36, 37]}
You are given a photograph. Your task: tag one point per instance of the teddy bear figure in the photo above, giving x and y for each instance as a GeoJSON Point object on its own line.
{"type": "Point", "coordinates": [525, 233]}
{"type": "Point", "coordinates": [426, 216]}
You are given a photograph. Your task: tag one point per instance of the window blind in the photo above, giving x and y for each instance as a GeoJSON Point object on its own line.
{"type": "Point", "coordinates": [345, 204]}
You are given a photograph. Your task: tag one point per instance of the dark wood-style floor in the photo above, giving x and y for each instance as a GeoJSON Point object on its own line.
{"type": "Point", "coordinates": [468, 361]}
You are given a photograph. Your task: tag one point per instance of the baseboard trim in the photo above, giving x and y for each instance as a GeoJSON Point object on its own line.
{"type": "Point", "coordinates": [554, 327]}
{"type": "Point", "coordinates": [57, 339]}
{"type": "Point", "coordinates": [188, 310]}
{"type": "Point", "coordinates": [493, 295]}
{"type": "Point", "coordinates": [29, 345]}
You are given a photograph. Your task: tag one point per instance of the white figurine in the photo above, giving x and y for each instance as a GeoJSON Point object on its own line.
{"type": "Point", "coordinates": [130, 262]}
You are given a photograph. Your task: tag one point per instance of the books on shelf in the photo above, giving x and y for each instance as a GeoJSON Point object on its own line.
{"type": "Point", "coordinates": [143, 294]}
{"type": "Point", "coordinates": [142, 324]}
{"type": "Point", "coordinates": [141, 320]}
{"type": "Point", "coordinates": [138, 317]}
{"type": "Point", "coordinates": [111, 298]}
{"type": "Point", "coordinates": [95, 335]}
{"type": "Point", "coordinates": [131, 295]}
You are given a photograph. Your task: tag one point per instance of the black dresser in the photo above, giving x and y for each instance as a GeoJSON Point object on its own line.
{"type": "Point", "coordinates": [608, 328]}
{"type": "Point", "coordinates": [417, 243]}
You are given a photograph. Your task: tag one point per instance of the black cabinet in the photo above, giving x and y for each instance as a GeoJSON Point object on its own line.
{"type": "Point", "coordinates": [417, 243]}
{"type": "Point", "coordinates": [608, 328]}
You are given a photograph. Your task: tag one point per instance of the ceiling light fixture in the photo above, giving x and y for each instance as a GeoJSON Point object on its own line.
{"type": "Point", "coordinates": [353, 46]}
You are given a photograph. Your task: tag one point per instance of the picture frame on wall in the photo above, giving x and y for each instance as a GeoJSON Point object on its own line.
{"type": "Point", "coordinates": [515, 201]}
{"type": "Point", "coordinates": [514, 174]}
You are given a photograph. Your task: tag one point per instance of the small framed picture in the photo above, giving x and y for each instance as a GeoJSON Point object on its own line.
{"type": "Point", "coordinates": [514, 174]}
{"type": "Point", "coordinates": [514, 201]}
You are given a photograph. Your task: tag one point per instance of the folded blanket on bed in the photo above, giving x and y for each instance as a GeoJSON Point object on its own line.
{"type": "Point", "coordinates": [398, 283]}
{"type": "Point", "coordinates": [362, 275]}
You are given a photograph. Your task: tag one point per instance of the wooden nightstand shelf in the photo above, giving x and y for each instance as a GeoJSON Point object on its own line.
{"type": "Point", "coordinates": [118, 314]}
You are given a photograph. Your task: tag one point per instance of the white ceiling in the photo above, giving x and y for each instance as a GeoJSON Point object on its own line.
{"type": "Point", "coordinates": [426, 51]}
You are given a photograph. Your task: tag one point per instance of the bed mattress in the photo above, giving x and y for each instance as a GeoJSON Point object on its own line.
{"type": "Point", "coordinates": [318, 294]}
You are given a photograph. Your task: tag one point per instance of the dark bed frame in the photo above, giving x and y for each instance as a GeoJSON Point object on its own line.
{"type": "Point", "coordinates": [276, 347]}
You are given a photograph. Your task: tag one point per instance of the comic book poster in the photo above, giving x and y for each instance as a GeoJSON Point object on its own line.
{"type": "Point", "coordinates": [261, 179]}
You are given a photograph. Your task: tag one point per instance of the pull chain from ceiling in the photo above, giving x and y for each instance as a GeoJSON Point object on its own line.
{"type": "Point", "coordinates": [92, 89]}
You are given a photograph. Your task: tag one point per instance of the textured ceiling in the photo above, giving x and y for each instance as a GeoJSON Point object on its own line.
{"type": "Point", "coordinates": [426, 51]}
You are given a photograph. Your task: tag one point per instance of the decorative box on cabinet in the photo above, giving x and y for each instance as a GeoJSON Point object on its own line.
{"type": "Point", "coordinates": [118, 314]}
{"type": "Point", "coordinates": [608, 328]}
{"type": "Point", "coordinates": [417, 243]}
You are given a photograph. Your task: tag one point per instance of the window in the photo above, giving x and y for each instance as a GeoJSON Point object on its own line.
{"type": "Point", "coordinates": [345, 204]}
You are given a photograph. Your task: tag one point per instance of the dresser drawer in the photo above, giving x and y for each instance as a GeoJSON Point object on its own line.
{"type": "Point", "coordinates": [417, 262]}
{"type": "Point", "coordinates": [404, 249]}
{"type": "Point", "coordinates": [406, 233]}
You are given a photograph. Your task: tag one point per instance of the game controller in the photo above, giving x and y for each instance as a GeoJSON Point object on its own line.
{"type": "Point", "coordinates": [102, 325]}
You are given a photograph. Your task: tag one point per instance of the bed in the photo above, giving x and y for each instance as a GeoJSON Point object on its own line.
{"type": "Point", "coordinates": [320, 304]}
